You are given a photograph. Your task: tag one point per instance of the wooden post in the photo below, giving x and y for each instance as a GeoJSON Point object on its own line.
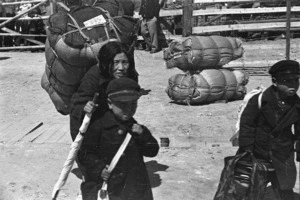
{"type": "Point", "coordinates": [288, 28]}
{"type": "Point", "coordinates": [187, 18]}
{"type": "Point", "coordinates": [53, 6]}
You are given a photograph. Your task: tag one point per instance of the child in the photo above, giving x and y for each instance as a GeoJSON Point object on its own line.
{"type": "Point", "coordinates": [129, 180]}
{"type": "Point", "coordinates": [267, 131]}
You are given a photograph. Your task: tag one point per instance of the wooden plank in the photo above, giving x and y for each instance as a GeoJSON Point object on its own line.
{"type": "Point", "coordinates": [58, 134]}
{"type": "Point", "coordinates": [22, 35]}
{"type": "Point", "coordinates": [47, 134]}
{"type": "Point", "coordinates": [242, 27]}
{"type": "Point", "coordinates": [25, 18]}
{"type": "Point", "coordinates": [65, 132]}
{"type": "Point", "coordinates": [233, 1]}
{"type": "Point", "coordinates": [20, 2]}
{"type": "Point", "coordinates": [18, 129]}
{"type": "Point", "coordinates": [4, 127]}
{"type": "Point", "coordinates": [22, 47]}
{"type": "Point", "coordinates": [167, 13]}
{"type": "Point", "coordinates": [65, 139]}
{"type": "Point", "coordinates": [244, 11]}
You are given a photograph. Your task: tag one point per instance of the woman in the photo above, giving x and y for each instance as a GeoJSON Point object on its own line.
{"type": "Point", "coordinates": [114, 62]}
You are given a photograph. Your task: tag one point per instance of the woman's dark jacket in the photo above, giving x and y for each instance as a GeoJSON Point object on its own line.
{"type": "Point", "coordinates": [268, 133]}
{"type": "Point", "coordinates": [91, 83]}
{"type": "Point", "coordinates": [129, 180]}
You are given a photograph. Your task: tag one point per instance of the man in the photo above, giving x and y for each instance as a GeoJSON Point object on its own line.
{"type": "Point", "coordinates": [267, 131]}
{"type": "Point", "coordinates": [149, 12]}
{"type": "Point", "coordinates": [131, 7]}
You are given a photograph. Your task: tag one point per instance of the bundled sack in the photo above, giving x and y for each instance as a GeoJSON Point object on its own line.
{"type": "Point", "coordinates": [241, 178]}
{"type": "Point", "coordinates": [60, 102]}
{"type": "Point", "coordinates": [200, 52]}
{"type": "Point", "coordinates": [63, 77]}
{"type": "Point", "coordinates": [206, 87]}
{"type": "Point", "coordinates": [74, 39]}
{"type": "Point", "coordinates": [76, 36]}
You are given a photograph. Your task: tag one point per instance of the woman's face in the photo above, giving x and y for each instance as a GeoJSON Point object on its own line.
{"type": "Point", "coordinates": [120, 66]}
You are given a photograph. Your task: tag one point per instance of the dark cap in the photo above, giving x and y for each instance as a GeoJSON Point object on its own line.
{"type": "Point", "coordinates": [123, 89]}
{"type": "Point", "coordinates": [285, 68]}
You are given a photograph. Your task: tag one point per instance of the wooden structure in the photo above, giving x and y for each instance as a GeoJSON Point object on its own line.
{"type": "Point", "coordinates": [209, 15]}
{"type": "Point", "coordinates": [217, 9]}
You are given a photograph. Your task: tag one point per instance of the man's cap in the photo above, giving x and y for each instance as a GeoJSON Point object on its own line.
{"type": "Point", "coordinates": [123, 89]}
{"type": "Point", "coordinates": [285, 68]}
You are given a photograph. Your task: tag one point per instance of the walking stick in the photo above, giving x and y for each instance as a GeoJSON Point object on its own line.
{"type": "Point", "coordinates": [102, 194]}
{"type": "Point", "coordinates": [72, 154]}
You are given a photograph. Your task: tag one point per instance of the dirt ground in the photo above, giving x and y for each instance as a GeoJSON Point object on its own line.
{"type": "Point", "coordinates": [199, 135]}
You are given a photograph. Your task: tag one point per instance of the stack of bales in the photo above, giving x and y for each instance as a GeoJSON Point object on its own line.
{"type": "Point", "coordinates": [205, 81]}
{"type": "Point", "coordinates": [74, 39]}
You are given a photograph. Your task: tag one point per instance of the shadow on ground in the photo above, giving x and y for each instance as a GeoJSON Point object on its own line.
{"type": "Point", "coordinates": [4, 58]}
{"type": "Point", "coordinates": [153, 166]}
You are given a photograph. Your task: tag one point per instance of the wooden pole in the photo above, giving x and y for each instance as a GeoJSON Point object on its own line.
{"type": "Point", "coordinates": [53, 6]}
{"type": "Point", "coordinates": [187, 18]}
{"type": "Point", "coordinates": [26, 18]}
{"type": "Point", "coordinates": [14, 32]}
{"type": "Point", "coordinates": [288, 28]}
{"type": "Point", "coordinates": [22, 47]}
{"type": "Point", "coordinates": [22, 35]}
{"type": "Point", "coordinates": [21, 14]}
{"type": "Point", "coordinates": [20, 2]}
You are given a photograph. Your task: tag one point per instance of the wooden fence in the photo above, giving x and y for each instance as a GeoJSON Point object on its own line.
{"type": "Point", "coordinates": [191, 16]}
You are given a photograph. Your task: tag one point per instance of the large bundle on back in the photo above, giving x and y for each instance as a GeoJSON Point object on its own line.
{"type": "Point", "coordinates": [208, 86]}
{"type": "Point", "coordinates": [200, 52]}
{"type": "Point", "coordinates": [74, 39]}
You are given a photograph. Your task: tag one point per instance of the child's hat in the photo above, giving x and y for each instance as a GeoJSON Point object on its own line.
{"type": "Point", "coordinates": [123, 89]}
{"type": "Point", "coordinates": [285, 68]}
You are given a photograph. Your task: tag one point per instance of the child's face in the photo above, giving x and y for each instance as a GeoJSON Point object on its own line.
{"type": "Point", "coordinates": [123, 110]}
{"type": "Point", "coordinates": [288, 87]}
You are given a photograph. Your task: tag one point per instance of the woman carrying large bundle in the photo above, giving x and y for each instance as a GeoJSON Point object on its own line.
{"type": "Point", "coordinates": [114, 62]}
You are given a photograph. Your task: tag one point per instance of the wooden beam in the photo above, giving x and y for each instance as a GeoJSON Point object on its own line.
{"type": "Point", "coordinates": [267, 21]}
{"type": "Point", "coordinates": [167, 13]}
{"type": "Point", "coordinates": [21, 14]}
{"type": "Point", "coordinates": [233, 1]}
{"type": "Point", "coordinates": [22, 47]}
{"type": "Point", "coordinates": [19, 34]}
{"type": "Point", "coordinates": [22, 35]}
{"type": "Point", "coordinates": [20, 2]}
{"type": "Point", "coordinates": [244, 11]}
{"type": "Point", "coordinates": [25, 18]}
{"type": "Point", "coordinates": [243, 27]}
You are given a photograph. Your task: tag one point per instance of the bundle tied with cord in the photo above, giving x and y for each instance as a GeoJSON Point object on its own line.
{"type": "Point", "coordinates": [197, 53]}
{"type": "Point", "coordinates": [74, 38]}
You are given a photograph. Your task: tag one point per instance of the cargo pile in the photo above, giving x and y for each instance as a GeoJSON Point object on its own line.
{"type": "Point", "coordinates": [205, 80]}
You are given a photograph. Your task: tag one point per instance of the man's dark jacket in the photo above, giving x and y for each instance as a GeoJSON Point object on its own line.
{"type": "Point", "coordinates": [129, 180]}
{"type": "Point", "coordinates": [270, 136]}
{"type": "Point", "coordinates": [149, 9]}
